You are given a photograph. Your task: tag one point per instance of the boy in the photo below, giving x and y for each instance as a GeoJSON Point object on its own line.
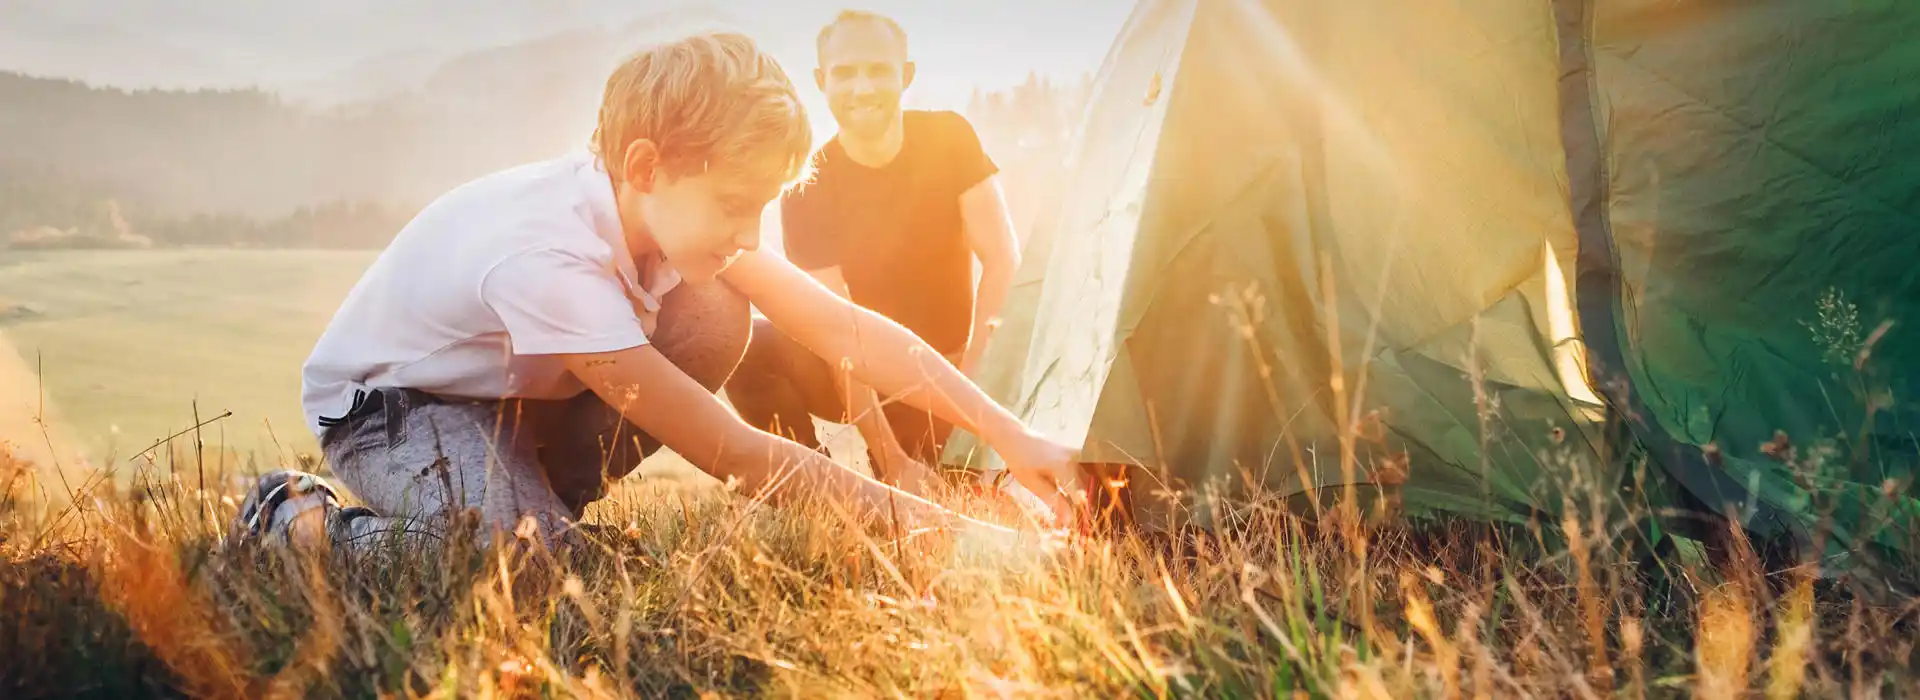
{"type": "Point", "coordinates": [538, 331]}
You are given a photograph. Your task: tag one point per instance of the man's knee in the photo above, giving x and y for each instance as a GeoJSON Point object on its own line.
{"type": "Point", "coordinates": [764, 354]}
{"type": "Point", "coordinates": [704, 329]}
{"type": "Point", "coordinates": [778, 372]}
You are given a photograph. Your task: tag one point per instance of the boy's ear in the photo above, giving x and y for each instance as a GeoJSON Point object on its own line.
{"type": "Point", "coordinates": [906, 75]}
{"type": "Point", "coordinates": [641, 164]}
{"type": "Point", "coordinates": [820, 79]}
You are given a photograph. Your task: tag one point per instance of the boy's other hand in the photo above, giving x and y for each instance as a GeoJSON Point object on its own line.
{"type": "Point", "coordinates": [902, 471]}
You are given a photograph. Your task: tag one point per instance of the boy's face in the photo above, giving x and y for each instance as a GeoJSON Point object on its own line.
{"type": "Point", "coordinates": [863, 70]}
{"type": "Point", "coordinates": [703, 221]}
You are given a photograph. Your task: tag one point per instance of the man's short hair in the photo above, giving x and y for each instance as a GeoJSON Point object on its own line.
{"type": "Point", "coordinates": [852, 16]}
{"type": "Point", "coordinates": [713, 100]}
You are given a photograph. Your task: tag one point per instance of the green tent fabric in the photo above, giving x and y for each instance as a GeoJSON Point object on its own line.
{"type": "Point", "coordinates": [1744, 164]}
{"type": "Point", "coordinates": [1516, 245]}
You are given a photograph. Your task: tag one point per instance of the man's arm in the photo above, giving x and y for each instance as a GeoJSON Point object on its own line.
{"type": "Point", "coordinates": [893, 464]}
{"type": "Point", "coordinates": [658, 398]}
{"type": "Point", "coordinates": [989, 231]}
{"type": "Point", "coordinates": [898, 363]}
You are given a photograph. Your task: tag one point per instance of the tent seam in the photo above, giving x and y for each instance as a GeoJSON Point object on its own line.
{"type": "Point", "coordinates": [1589, 195]}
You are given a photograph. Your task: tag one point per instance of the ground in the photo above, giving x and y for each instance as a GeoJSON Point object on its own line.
{"type": "Point", "coordinates": [690, 591]}
{"type": "Point", "coordinates": [129, 343]}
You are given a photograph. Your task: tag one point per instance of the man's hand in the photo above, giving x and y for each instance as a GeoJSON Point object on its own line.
{"type": "Point", "coordinates": [970, 361]}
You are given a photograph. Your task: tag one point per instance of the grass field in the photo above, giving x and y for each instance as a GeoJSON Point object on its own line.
{"type": "Point", "coordinates": [694, 593]}
{"type": "Point", "coordinates": [685, 590]}
{"type": "Point", "coordinates": [128, 342]}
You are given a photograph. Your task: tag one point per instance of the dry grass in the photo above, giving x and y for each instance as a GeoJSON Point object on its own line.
{"type": "Point", "coordinates": [119, 587]}
{"type": "Point", "coordinates": [692, 593]}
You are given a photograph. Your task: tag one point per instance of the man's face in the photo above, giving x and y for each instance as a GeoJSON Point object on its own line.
{"type": "Point", "coordinates": [863, 70]}
{"type": "Point", "coordinates": [702, 222]}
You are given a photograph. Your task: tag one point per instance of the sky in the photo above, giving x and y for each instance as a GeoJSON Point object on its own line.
{"type": "Point", "coordinates": [294, 45]}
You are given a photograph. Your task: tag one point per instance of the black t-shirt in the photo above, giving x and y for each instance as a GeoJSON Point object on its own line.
{"type": "Point", "coordinates": [895, 231]}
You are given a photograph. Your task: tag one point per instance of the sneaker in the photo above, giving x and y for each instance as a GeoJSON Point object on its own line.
{"type": "Point", "coordinates": [292, 507]}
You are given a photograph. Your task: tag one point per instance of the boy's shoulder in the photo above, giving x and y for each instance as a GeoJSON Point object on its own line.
{"type": "Point", "coordinates": [551, 203]}
{"type": "Point", "coordinates": [553, 180]}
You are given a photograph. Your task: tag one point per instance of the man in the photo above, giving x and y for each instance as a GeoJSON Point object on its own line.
{"type": "Point", "coordinates": [901, 204]}
{"type": "Point", "coordinates": [533, 333]}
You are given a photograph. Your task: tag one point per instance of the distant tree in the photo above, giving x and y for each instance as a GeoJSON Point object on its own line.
{"type": "Point", "coordinates": [1028, 129]}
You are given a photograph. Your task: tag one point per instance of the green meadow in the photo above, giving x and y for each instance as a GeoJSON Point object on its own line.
{"type": "Point", "coordinates": [129, 345]}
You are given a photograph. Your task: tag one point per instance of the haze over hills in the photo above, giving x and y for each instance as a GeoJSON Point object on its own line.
{"type": "Point", "coordinates": [353, 50]}
{"type": "Point", "coordinates": [360, 102]}
{"type": "Point", "coordinates": [252, 152]}
{"type": "Point", "coordinates": [278, 46]}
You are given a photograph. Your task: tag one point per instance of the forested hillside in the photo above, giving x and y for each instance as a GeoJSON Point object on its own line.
{"type": "Point", "coordinates": [89, 166]}
{"type": "Point", "coordinates": [249, 168]}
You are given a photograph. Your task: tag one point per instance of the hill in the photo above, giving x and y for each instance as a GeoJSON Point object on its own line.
{"type": "Point", "coordinates": [250, 153]}
{"type": "Point", "coordinates": [308, 52]}
{"type": "Point", "coordinates": [250, 167]}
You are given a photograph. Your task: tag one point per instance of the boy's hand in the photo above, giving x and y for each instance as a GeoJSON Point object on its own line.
{"type": "Point", "coordinates": [1007, 549]}
{"type": "Point", "coordinates": [1050, 470]}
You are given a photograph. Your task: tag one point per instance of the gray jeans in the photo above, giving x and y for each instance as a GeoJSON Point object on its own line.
{"type": "Point", "coordinates": [411, 454]}
{"type": "Point", "coordinates": [416, 458]}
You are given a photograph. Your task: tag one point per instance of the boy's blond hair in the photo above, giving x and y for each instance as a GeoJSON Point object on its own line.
{"type": "Point", "coordinates": [712, 101]}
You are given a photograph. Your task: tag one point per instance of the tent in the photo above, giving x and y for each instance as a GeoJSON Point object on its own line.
{"type": "Point", "coordinates": [1525, 252]}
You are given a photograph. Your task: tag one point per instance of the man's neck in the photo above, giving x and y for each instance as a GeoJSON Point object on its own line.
{"type": "Point", "coordinates": [876, 152]}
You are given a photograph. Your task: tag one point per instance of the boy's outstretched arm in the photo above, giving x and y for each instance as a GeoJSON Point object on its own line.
{"type": "Point", "coordinates": [656, 397]}
{"type": "Point", "coordinates": [898, 363]}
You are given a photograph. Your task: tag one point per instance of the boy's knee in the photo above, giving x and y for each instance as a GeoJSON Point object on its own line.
{"type": "Point", "coordinates": [704, 330]}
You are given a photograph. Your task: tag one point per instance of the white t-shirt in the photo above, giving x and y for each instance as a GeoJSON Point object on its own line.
{"type": "Point", "coordinates": [478, 294]}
